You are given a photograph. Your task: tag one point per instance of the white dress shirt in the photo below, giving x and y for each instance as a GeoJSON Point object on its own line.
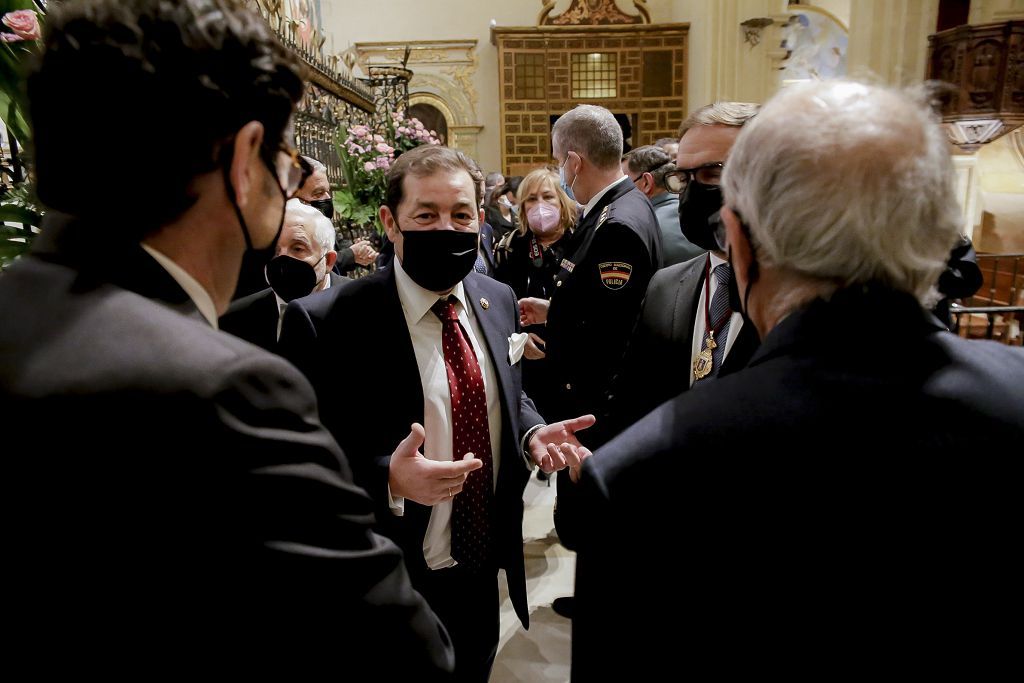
{"type": "Point", "coordinates": [700, 324]}
{"type": "Point", "coordinates": [597, 197]}
{"type": "Point", "coordinates": [200, 297]}
{"type": "Point", "coordinates": [425, 330]}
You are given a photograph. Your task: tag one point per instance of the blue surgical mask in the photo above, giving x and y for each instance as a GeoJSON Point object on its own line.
{"type": "Point", "coordinates": [561, 179]}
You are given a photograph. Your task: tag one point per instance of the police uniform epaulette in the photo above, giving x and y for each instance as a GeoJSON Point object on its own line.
{"type": "Point", "coordinates": [505, 243]}
{"type": "Point", "coordinates": [603, 217]}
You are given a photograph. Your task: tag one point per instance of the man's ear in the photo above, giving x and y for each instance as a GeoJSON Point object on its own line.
{"type": "Point", "coordinates": [648, 188]}
{"type": "Point", "coordinates": [738, 245]}
{"type": "Point", "coordinates": [245, 161]}
{"type": "Point", "coordinates": [330, 259]}
{"type": "Point", "coordinates": [390, 225]}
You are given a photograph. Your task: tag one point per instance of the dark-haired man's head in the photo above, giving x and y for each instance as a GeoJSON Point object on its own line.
{"type": "Point", "coordinates": [170, 83]}
{"type": "Point", "coordinates": [646, 167]}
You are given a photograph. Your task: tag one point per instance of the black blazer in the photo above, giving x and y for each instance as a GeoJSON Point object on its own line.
{"type": "Point", "coordinates": [847, 497]}
{"type": "Point", "coordinates": [657, 363]}
{"type": "Point", "coordinates": [254, 318]}
{"type": "Point", "coordinates": [177, 477]}
{"type": "Point", "coordinates": [318, 331]}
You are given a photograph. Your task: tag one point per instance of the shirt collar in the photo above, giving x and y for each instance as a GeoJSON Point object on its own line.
{"type": "Point", "coordinates": [200, 297]}
{"type": "Point", "coordinates": [597, 197]}
{"type": "Point", "coordinates": [416, 301]}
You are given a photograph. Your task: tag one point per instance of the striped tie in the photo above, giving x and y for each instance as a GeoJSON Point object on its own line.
{"type": "Point", "coordinates": [720, 310]}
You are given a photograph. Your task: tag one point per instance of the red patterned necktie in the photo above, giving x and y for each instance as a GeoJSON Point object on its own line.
{"type": "Point", "coordinates": [473, 508]}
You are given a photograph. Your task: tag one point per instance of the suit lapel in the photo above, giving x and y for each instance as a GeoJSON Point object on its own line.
{"type": "Point", "coordinates": [397, 344]}
{"type": "Point", "coordinates": [687, 296]}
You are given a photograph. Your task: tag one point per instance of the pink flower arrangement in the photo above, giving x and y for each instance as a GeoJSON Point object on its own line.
{"type": "Point", "coordinates": [366, 156]}
{"type": "Point", "coordinates": [25, 26]}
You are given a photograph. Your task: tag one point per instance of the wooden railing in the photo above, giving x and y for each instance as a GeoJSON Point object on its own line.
{"type": "Point", "coordinates": [997, 309]}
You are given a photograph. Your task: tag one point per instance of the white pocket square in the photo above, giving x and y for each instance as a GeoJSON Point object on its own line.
{"type": "Point", "coordinates": [516, 346]}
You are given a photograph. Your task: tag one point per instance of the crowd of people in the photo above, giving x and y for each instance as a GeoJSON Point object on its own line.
{"type": "Point", "coordinates": [770, 454]}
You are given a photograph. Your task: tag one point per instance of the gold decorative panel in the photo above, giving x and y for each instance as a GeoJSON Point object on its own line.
{"type": "Point", "coordinates": [637, 71]}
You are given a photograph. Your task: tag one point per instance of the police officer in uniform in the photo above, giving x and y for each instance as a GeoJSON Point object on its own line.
{"type": "Point", "coordinates": [600, 286]}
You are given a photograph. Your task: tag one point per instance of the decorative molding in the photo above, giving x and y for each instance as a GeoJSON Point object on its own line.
{"type": "Point", "coordinates": [752, 29]}
{"type": "Point", "coordinates": [423, 52]}
{"type": "Point", "coordinates": [969, 135]}
{"type": "Point", "coordinates": [1017, 145]}
{"type": "Point", "coordinates": [431, 88]}
{"type": "Point", "coordinates": [593, 12]}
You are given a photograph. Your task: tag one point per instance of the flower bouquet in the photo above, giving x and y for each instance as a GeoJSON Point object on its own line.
{"type": "Point", "coordinates": [366, 155]}
{"type": "Point", "coordinates": [19, 40]}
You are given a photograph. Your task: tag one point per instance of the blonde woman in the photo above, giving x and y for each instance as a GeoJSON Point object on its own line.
{"type": "Point", "coordinates": [528, 259]}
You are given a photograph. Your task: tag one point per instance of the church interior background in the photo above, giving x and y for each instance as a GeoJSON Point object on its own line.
{"type": "Point", "coordinates": [490, 78]}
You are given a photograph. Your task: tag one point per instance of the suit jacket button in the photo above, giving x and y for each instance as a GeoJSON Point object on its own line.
{"type": "Point", "coordinates": [568, 387]}
{"type": "Point", "coordinates": [558, 283]}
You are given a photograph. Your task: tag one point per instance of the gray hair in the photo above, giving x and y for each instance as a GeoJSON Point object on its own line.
{"type": "Point", "coordinates": [323, 229]}
{"type": "Point", "coordinates": [592, 132]}
{"type": "Point", "coordinates": [846, 183]}
{"type": "Point", "coordinates": [650, 159]}
{"type": "Point", "coordinates": [316, 164]}
{"type": "Point", "coordinates": [720, 114]}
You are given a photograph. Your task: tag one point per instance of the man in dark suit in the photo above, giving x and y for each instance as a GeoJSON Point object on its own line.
{"type": "Point", "coordinates": [664, 354]}
{"type": "Point", "coordinates": [845, 498]}
{"type": "Point", "coordinates": [646, 166]}
{"type": "Point", "coordinates": [302, 265]}
{"type": "Point", "coordinates": [453, 343]}
{"type": "Point", "coordinates": [179, 503]}
{"type": "Point", "coordinates": [316, 192]}
{"type": "Point", "coordinates": [614, 251]}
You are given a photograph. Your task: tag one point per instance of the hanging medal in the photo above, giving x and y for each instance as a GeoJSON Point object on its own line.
{"type": "Point", "coordinates": [704, 363]}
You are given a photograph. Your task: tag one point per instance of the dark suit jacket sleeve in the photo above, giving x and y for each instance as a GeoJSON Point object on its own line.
{"type": "Point", "coordinates": [634, 389]}
{"type": "Point", "coordinates": [346, 262]}
{"type": "Point", "coordinates": [614, 311]}
{"type": "Point", "coordinates": [310, 524]}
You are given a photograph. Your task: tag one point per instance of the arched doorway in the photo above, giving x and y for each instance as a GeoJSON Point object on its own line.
{"type": "Point", "coordinates": [432, 118]}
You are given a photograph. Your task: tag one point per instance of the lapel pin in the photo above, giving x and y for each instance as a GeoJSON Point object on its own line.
{"type": "Point", "coordinates": [484, 303]}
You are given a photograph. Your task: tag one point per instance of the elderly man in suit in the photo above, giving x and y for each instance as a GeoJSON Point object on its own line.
{"type": "Point", "coordinates": [179, 492]}
{"type": "Point", "coordinates": [316, 192]}
{"type": "Point", "coordinates": [452, 340]}
{"type": "Point", "coordinates": [846, 498]}
{"type": "Point", "coordinates": [302, 265]}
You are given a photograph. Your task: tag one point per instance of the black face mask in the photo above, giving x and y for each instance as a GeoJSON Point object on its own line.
{"type": "Point", "coordinates": [324, 206]}
{"type": "Point", "coordinates": [437, 260]}
{"type": "Point", "coordinates": [735, 302]}
{"type": "Point", "coordinates": [290, 278]}
{"type": "Point", "coordinates": [698, 209]}
{"type": "Point", "coordinates": [253, 255]}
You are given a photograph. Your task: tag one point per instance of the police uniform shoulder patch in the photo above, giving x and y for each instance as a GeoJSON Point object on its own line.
{"type": "Point", "coordinates": [614, 274]}
{"type": "Point", "coordinates": [603, 217]}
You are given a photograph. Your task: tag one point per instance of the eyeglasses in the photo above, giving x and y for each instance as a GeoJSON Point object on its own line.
{"type": "Point", "coordinates": [297, 171]}
{"type": "Point", "coordinates": [652, 169]}
{"type": "Point", "coordinates": [706, 174]}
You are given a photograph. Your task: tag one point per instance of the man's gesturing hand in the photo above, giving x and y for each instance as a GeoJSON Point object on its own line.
{"type": "Point", "coordinates": [424, 481]}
